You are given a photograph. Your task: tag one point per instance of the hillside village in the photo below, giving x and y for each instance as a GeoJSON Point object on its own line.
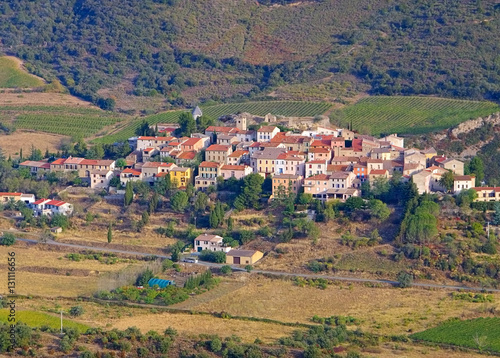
{"type": "Point", "coordinates": [328, 163]}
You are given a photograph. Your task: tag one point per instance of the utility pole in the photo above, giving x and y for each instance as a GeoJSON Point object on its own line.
{"type": "Point", "coordinates": [61, 323]}
{"type": "Point", "coordinates": [488, 230]}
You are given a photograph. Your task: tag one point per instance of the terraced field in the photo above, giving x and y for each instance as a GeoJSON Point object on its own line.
{"type": "Point", "coordinates": [412, 115]}
{"type": "Point", "coordinates": [480, 333]}
{"type": "Point", "coordinates": [70, 121]}
{"type": "Point", "coordinates": [277, 108]}
{"type": "Point", "coordinates": [39, 319]}
{"type": "Point", "coordinates": [129, 130]}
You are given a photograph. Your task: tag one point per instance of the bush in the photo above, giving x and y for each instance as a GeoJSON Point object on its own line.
{"type": "Point", "coordinates": [216, 345]}
{"type": "Point", "coordinates": [213, 256]}
{"type": "Point", "coordinates": [76, 311]}
{"type": "Point", "coordinates": [405, 279]}
{"type": "Point", "coordinates": [8, 239]}
{"type": "Point", "coordinates": [249, 268]}
{"type": "Point", "coordinates": [226, 270]}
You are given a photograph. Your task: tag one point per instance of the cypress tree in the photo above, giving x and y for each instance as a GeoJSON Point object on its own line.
{"type": "Point", "coordinates": [110, 234]}
{"type": "Point", "coordinates": [129, 194]}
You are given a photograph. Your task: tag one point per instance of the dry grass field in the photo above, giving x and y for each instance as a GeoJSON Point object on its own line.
{"type": "Point", "coordinates": [12, 143]}
{"type": "Point", "coordinates": [49, 273]}
{"type": "Point", "coordinates": [42, 99]}
{"type": "Point", "coordinates": [194, 325]}
{"type": "Point", "coordinates": [383, 310]}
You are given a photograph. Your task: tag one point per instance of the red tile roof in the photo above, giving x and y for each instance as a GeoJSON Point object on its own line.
{"type": "Point", "coordinates": [56, 203]}
{"type": "Point", "coordinates": [209, 165]}
{"type": "Point", "coordinates": [39, 201]}
{"type": "Point", "coordinates": [378, 172]}
{"type": "Point", "coordinates": [238, 153]}
{"type": "Point", "coordinates": [10, 194]}
{"type": "Point", "coordinates": [132, 171]}
{"type": "Point", "coordinates": [191, 141]}
{"type": "Point", "coordinates": [319, 177]}
{"type": "Point", "coordinates": [187, 155]}
{"type": "Point", "coordinates": [218, 148]}
{"type": "Point", "coordinates": [233, 167]}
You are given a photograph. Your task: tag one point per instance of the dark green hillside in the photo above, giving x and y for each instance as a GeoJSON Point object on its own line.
{"type": "Point", "coordinates": [190, 51]}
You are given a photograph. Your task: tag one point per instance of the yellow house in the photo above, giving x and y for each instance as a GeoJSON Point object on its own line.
{"type": "Point", "coordinates": [181, 177]}
{"type": "Point", "coordinates": [243, 257]}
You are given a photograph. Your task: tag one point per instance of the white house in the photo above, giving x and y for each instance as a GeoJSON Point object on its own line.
{"type": "Point", "coordinates": [463, 182]}
{"type": "Point", "coordinates": [99, 179]}
{"type": "Point", "coordinates": [51, 207]}
{"type": "Point", "coordinates": [211, 243]}
{"type": "Point", "coordinates": [266, 133]}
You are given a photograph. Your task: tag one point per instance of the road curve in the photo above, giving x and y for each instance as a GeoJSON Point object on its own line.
{"type": "Point", "coordinates": [265, 272]}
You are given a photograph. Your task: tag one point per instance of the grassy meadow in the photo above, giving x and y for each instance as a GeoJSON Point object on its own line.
{"type": "Point", "coordinates": [12, 76]}
{"type": "Point", "coordinates": [412, 115]}
{"type": "Point", "coordinates": [39, 319]}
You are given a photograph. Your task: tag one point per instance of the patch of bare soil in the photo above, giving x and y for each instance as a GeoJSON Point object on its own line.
{"type": "Point", "coordinates": [12, 143]}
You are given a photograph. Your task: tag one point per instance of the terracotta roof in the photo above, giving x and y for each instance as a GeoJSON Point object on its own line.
{"type": "Point", "coordinates": [10, 194]}
{"type": "Point", "coordinates": [336, 168]}
{"type": "Point", "coordinates": [319, 161]}
{"type": "Point", "coordinates": [462, 177]}
{"type": "Point", "coordinates": [266, 129]}
{"type": "Point", "coordinates": [58, 161]}
{"type": "Point", "coordinates": [221, 129]}
{"type": "Point", "coordinates": [339, 175]}
{"type": "Point", "coordinates": [187, 155]}
{"type": "Point", "coordinates": [56, 203]}
{"type": "Point", "coordinates": [378, 172]}
{"type": "Point", "coordinates": [40, 201]}
{"type": "Point", "coordinates": [321, 143]}
{"type": "Point", "coordinates": [495, 189]}
{"type": "Point", "coordinates": [96, 162]}
{"type": "Point", "coordinates": [163, 139]}
{"type": "Point", "coordinates": [209, 165]}
{"type": "Point", "coordinates": [191, 141]}
{"type": "Point", "coordinates": [218, 148]}
{"type": "Point", "coordinates": [132, 171]}
{"type": "Point", "coordinates": [233, 167]}
{"type": "Point", "coordinates": [238, 153]}
{"type": "Point", "coordinates": [319, 177]}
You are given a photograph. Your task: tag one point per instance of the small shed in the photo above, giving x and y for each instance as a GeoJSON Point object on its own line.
{"type": "Point", "coordinates": [243, 257]}
{"type": "Point", "coordinates": [56, 230]}
{"type": "Point", "coordinates": [161, 283]}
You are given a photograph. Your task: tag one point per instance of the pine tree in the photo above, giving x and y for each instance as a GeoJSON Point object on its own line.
{"type": "Point", "coordinates": [129, 194]}
{"type": "Point", "coordinates": [110, 234]}
{"type": "Point", "coordinates": [230, 223]}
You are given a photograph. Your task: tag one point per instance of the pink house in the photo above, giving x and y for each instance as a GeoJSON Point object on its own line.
{"type": "Point", "coordinates": [235, 171]}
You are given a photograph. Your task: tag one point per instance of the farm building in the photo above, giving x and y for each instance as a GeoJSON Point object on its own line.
{"type": "Point", "coordinates": [243, 257]}
{"type": "Point", "coordinates": [160, 283]}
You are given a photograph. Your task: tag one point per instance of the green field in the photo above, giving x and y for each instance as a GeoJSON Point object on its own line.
{"type": "Point", "coordinates": [477, 333]}
{"type": "Point", "coordinates": [39, 319]}
{"type": "Point", "coordinates": [129, 130]}
{"type": "Point", "coordinates": [13, 77]}
{"type": "Point", "coordinates": [277, 108]}
{"type": "Point", "coordinates": [411, 115]}
{"type": "Point", "coordinates": [70, 121]}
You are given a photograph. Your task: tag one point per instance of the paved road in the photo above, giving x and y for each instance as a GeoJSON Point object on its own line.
{"type": "Point", "coordinates": [277, 273]}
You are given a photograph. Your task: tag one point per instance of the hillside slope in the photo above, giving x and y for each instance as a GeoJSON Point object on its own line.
{"type": "Point", "coordinates": [192, 51]}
